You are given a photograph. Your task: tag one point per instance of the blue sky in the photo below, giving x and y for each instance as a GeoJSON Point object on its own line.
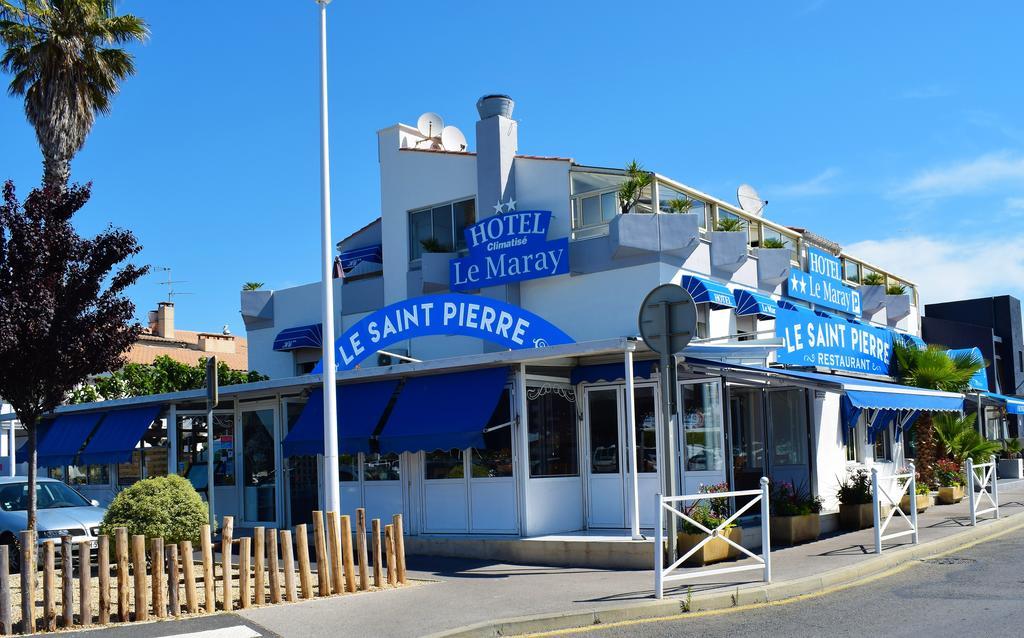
{"type": "Point", "coordinates": [892, 128]}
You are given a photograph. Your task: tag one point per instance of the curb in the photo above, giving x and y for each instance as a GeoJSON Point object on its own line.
{"type": "Point", "coordinates": [839, 578]}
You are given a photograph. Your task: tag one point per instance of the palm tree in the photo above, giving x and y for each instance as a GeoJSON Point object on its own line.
{"type": "Point", "coordinates": [631, 190]}
{"type": "Point", "coordinates": [935, 369]}
{"type": "Point", "coordinates": [60, 54]}
{"type": "Point", "coordinates": [960, 439]}
{"type": "Point", "coordinates": [252, 285]}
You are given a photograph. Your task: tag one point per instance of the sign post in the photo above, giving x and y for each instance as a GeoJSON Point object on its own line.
{"type": "Point", "coordinates": [212, 399]}
{"type": "Point", "coordinates": [667, 321]}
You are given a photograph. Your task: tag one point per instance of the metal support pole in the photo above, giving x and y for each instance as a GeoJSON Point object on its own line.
{"type": "Point", "coordinates": [876, 510]}
{"type": "Point", "coordinates": [766, 531]}
{"type": "Point", "coordinates": [995, 483]}
{"type": "Point", "coordinates": [659, 548]}
{"type": "Point", "coordinates": [913, 500]}
{"type": "Point", "coordinates": [631, 429]}
{"type": "Point", "coordinates": [668, 437]}
{"type": "Point", "coordinates": [209, 468]}
{"type": "Point", "coordinates": [969, 468]}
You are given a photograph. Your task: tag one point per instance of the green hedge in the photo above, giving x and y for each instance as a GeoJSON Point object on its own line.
{"type": "Point", "coordinates": [166, 507]}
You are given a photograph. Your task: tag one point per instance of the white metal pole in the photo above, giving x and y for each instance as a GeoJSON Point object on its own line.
{"type": "Point", "coordinates": [332, 488]}
{"type": "Point", "coordinates": [659, 548]}
{"type": "Point", "coordinates": [876, 510]}
{"type": "Point", "coordinates": [969, 467]}
{"type": "Point", "coordinates": [766, 533]}
{"type": "Point", "coordinates": [913, 500]}
{"type": "Point", "coordinates": [634, 465]}
{"type": "Point", "coordinates": [995, 483]}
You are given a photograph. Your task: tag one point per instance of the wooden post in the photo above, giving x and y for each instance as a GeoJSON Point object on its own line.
{"type": "Point", "coordinates": [275, 575]}
{"type": "Point", "coordinates": [346, 552]}
{"type": "Point", "coordinates": [225, 559]}
{"type": "Point", "coordinates": [121, 551]}
{"type": "Point", "coordinates": [378, 574]}
{"type": "Point", "coordinates": [302, 550]}
{"type": "Point", "coordinates": [156, 568]}
{"type": "Point", "coordinates": [364, 568]}
{"type": "Point", "coordinates": [172, 580]}
{"type": "Point", "coordinates": [139, 572]}
{"type": "Point", "coordinates": [5, 590]}
{"type": "Point", "coordinates": [28, 583]}
{"type": "Point", "coordinates": [323, 570]}
{"type": "Point", "coordinates": [84, 584]}
{"type": "Point", "coordinates": [289, 565]}
{"type": "Point", "coordinates": [244, 551]}
{"type": "Point", "coordinates": [67, 582]}
{"type": "Point", "coordinates": [396, 522]}
{"type": "Point", "coordinates": [103, 577]}
{"type": "Point", "coordinates": [258, 566]}
{"type": "Point", "coordinates": [389, 548]}
{"type": "Point", "coordinates": [209, 600]}
{"type": "Point", "coordinates": [334, 547]}
{"type": "Point", "coordinates": [49, 575]}
{"type": "Point", "coordinates": [188, 569]}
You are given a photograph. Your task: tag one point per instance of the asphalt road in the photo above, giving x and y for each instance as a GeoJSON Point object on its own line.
{"type": "Point", "coordinates": [978, 591]}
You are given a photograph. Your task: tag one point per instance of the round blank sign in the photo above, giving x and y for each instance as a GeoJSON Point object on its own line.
{"type": "Point", "coordinates": [668, 319]}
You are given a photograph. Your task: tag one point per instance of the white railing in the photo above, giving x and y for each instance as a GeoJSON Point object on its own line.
{"type": "Point", "coordinates": [909, 488]}
{"type": "Point", "coordinates": [668, 504]}
{"type": "Point", "coordinates": [982, 476]}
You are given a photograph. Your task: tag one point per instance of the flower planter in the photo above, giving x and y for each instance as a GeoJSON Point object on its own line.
{"type": "Point", "coordinates": [1010, 468]}
{"type": "Point", "coordinates": [792, 530]}
{"type": "Point", "coordinates": [859, 516]}
{"type": "Point", "coordinates": [773, 266]}
{"type": "Point", "coordinates": [950, 495]}
{"type": "Point", "coordinates": [924, 501]}
{"type": "Point", "coordinates": [728, 249]}
{"type": "Point", "coordinates": [678, 233]}
{"type": "Point", "coordinates": [896, 307]}
{"type": "Point", "coordinates": [633, 234]}
{"type": "Point", "coordinates": [872, 299]}
{"type": "Point", "coordinates": [434, 269]}
{"type": "Point", "coordinates": [715, 550]}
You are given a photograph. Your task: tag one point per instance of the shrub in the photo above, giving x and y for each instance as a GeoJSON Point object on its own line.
{"type": "Point", "coordinates": [790, 500]}
{"type": "Point", "coordinates": [947, 474]}
{"type": "Point", "coordinates": [710, 513]}
{"type": "Point", "coordinates": [165, 507]}
{"type": "Point", "coordinates": [856, 489]}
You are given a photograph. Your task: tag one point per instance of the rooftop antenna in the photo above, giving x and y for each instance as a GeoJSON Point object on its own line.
{"type": "Point", "coordinates": [750, 201]}
{"type": "Point", "coordinates": [437, 136]}
{"type": "Point", "coordinates": [171, 292]}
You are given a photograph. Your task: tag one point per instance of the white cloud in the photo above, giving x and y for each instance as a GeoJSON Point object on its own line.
{"type": "Point", "coordinates": [928, 92]}
{"type": "Point", "coordinates": [948, 270]}
{"type": "Point", "coordinates": [969, 176]}
{"type": "Point", "coordinates": [1015, 204]}
{"type": "Point", "coordinates": [820, 184]}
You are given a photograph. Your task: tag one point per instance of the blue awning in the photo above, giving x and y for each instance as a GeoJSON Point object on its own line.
{"type": "Point", "coordinates": [443, 412]}
{"type": "Point", "coordinates": [1014, 405]}
{"type": "Point", "coordinates": [979, 381]}
{"type": "Point", "coordinates": [360, 407]}
{"type": "Point", "coordinates": [705, 291]}
{"type": "Point", "coordinates": [610, 372]}
{"type": "Point", "coordinates": [752, 303]}
{"type": "Point", "coordinates": [909, 340]}
{"type": "Point", "coordinates": [299, 337]}
{"type": "Point", "coordinates": [118, 434]}
{"type": "Point", "coordinates": [827, 315]}
{"type": "Point", "coordinates": [65, 437]}
{"type": "Point", "coordinates": [352, 258]}
{"type": "Point", "coordinates": [785, 304]}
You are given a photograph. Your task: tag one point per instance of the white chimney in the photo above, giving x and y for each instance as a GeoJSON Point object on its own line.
{"type": "Point", "coordinates": [497, 140]}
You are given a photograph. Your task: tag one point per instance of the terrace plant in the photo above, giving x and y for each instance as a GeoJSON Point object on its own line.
{"type": "Point", "coordinates": [731, 225]}
{"type": "Point", "coordinates": [960, 440]}
{"type": "Point", "coordinates": [681, 205]}
{"type": "Point", "coordinates": [896, 289]}
{"type": "Point", "coordinates": [856, 489]}
{"type": "Point", "coordinates": [873, 279]}
{"type": "Point", "coordinates": [948, 474]}
{"type": "Point", "coordinates": [710, 512]}
{"type": "Point", "coordinates": [1011, 449]}
{"type": "Point", "coordinates": [632, 189]}
{"type": "Point", "coordinates": [433, 245]}
{"type": "Point", "coordinates": [773, 242]}
{"type": "Point", "coordinates": [787, 499]}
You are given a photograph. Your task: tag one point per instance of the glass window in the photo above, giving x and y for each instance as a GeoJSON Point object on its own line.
{"type": "Point", "coordinates": [13, 497]}
{"type": "Point", "coordinates": [754, 233]}
{"type": "Point", "coordinates": [853, 443]}
{"type": "Point", "coordinates": [909, 440]}
{"type": "Point", "coordinates": [603, 425]}
{"type": "Point", "coordinates": [192, 449]}
{"type": "Point", "coordinates": [552, 434]}
{"type": "Point", "coordinates": [702, 321]}
{"type": "Point", "coordinates": [746, 325]}
{"type": "Point", "coordinates": [419, 229]}
{"type": "Point", "coordinates": [441, 221]}
{"type": "Point", "coordinates": [465, 215]}
{"type": "Point", "coordinates": [724, 214]}
{"type": "Point", "coordinates": [348, 467]}
{"type": "Point", "coordinates": [130, 472]}
{"type": "Point", "coordinates": [56, 473]}
{"type": "Point", "coordinates": [702, 423]}
{"type": "Point", "coordinates": [646, 424]}
{"type": "Point", "coordinates": [444, 224]}
{"type": "Point", "coordinates": [495, 458]}
{"type": "Point", "coordinates": [259, 469]}
{"type": "Point", "coordinates": [441, 464]}
{"type": "Point", "coordinates": [788, 414]}
{"type": "Point", "coordinates": [851, 271]}
{"type": "Point", "coordinates": [883, 448]}
{"type": "Point", "coordinates": [89, 474]}
{"type": "Point", "coordinates": [591, 210]}
{"type": "Point", "coordinates": [381, 467]}
{"type": "Point", "coordinates": [609, 206]}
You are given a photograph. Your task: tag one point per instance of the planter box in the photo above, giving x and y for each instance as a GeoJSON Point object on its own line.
{"type": "Point", "coordinates": [434, 270]}
{"type": "Point", "coordinates": [1010, 468]}
{"type": "Point", "coordinates": [872, 299]}
{"type": "Point", "coordinates": [792, 530]}
{"type": "Point", "coordinates": [679, 233]}
{"type": "Point", "coordinates": [713, 551]}
{"type": "Point", "coordinates": [728, 249]}
{"type": "Point", "coordinates": [773, 266]}
{"type": "Point", "coordinates": [633, 234]}
{"type": "Point", "coordinates": [896, 307]}
{"type": "Point", "coordinates": [924, 501]}
{"type": "Point", "coordinates": [859, 516]}
{"type": "Point", "coordinates": [950, 495]}
{"type": "Point", "coordinates": [257, 308]}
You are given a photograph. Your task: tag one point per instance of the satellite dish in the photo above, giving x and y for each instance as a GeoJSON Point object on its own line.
{"type": "Point", "coordinates": [430, 125]}
{"type": "Point", "coordinates": [750, 201]}
{"type": "Point", "coordinates": [452, 139]}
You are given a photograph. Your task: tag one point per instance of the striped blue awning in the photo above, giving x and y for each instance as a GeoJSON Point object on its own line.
{"type": "Point", "coordinates": [717, 296]}
{"type": "Point", "coordinates": [299, 337]}
{"type": "Point", "coordinates": [752, 303]}
{"type": "Point", "coordinates": [352, 258]}
{"type": "Point", "coordinates": [1014, 405]}
{"type": "Point", "coordinates": [789, 305]}
{"type": "Point", "coordinates": [910, 340]}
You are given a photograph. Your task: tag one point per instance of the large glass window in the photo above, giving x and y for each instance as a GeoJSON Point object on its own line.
{"type": "Point", "coordinates": [258, 465]}
{"type": "Point", "coordinates": [89, 474]}
{"type": "Point", "coordinates": [348, 467]}
{"type": "Point", "coordinates": [702, 425]}
{"type": "Point", "coordinates": [646, 424]}
{"type": "Point", "coordinates": [603, 421]}
{"type": "Point", "coordinates": [788, 411]}
{"type": "Point", "coordinates": [597, 208]}
{"type": "Point", "coordinates": [883, 445]}
{"type": "Point", "coordinates": [552, 432]}
{"type": "Point", "coordinates": [495, 458]}
{"type": "Point", "coordinates": [192, 449]}
{"type": "Point", "coordinates": [443, 464]}
{"type": "Point", "coordinates": [673, 201]}
{"type": "Point", "coordinates": [381, 467]}
{"type": "Point", "coordinates": [851, 271]}
{"type": "Point", "coordinates": [440, 227]}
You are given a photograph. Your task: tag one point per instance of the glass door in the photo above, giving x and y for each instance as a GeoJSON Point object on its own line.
{"type": "Point", "coordinates": [701, 434]}
{"type": "Point", "coordinates": [746, 415]}
{"type": "Point", "coordinates": [788, 438]}
{"type": "Point", "coordinates": [258, 464]}
{"type": "Point", "coordinates": [606, 475]}
{"type": "Point", "coordinates": [301, 475]}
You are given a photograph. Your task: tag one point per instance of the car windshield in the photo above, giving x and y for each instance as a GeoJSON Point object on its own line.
{"type": "Point", "coordinates": [49, 495]}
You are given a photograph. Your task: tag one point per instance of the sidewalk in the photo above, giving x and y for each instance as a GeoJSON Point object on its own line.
{"type": "Point", "coordinates": [469, 597]}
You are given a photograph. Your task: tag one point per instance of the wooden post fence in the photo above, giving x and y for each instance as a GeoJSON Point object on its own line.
{"type": "Point", "coordinates": [225, 559]}
{"type": "Point", "coordinates": [28, 583]}
{"type": "Point", "coordinates": [67, 583]}
{"type": "Point", "coordinates": [209, 599]}
{"type": "Point", "coordinates": [378, 574]}
{"type": "Point", "coordinates": [396, 522]}
{"type": "Point", "coordinates": [364, 569]}
{"type": "Point", "coordinates": [188, 571]}
{"type": "Point", "coordinates": [49, 573]}
{"type": "Point", "coordinates": [121, 549]}
{"type": "Point", "coordinates": [139, 572]}
{"type": "Point", "coordinates": [389, 547]}
{"type": "Point", "coordinates": [289, 565]}
{"type": "Point", "coordinates": [302, 550]}
{"type": "Point", "coordinates": [6, 626]}
{"type": "Point", "coordinates": [334, 546]}
{"type": "Point", "coordinates": [103, 577]}
{"type": "Point", "coordinates": [172, 580]}
{"type": "Point", "coordinates": [258, 565]}
{"type": "Point", "coordinates": [275, 574]}
{"type": "Point", "coordinates": [156, 567]}
{"type": "Point", "coordinates": [84, 584]}
{"type": "Point", "coordinates": [323, 570]}
{"type": "Point", "coordinates": [244, 552]}
{"type": "Point", "coordinates": [346, 552]}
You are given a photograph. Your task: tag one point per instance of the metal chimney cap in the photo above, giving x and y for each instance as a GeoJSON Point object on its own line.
{"type": "Point", "coordinates": [495, 104]}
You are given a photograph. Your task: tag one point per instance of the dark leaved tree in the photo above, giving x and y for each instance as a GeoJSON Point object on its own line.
{"type": "Point", "coordinates": [64, 313]}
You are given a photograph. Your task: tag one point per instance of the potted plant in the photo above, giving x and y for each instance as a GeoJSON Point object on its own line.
{"type": "Point", "coordinates": [922, 495]}
{"type": "Point", "coordinates": [794, 514]}
{"type": "Point", "coordinates": [729, 243]}
{"type": "Point", "coordinates": [897, 302]}
{"type": "Point", "coordinates": [1010, 464]}
{"type": "Point", "coordinates": [710, 513]}
{"type": "Point", "coordinates": [872, 293]}
{"type": "Point", "coordinates": [679, 233]}
{"type": "Point", "coordinates": [632, 189]}
{"type": "Point", "coordinates": [855, 501]}
{"type": "Point", "coordinates": [774, 260]}
{"type": "Point", "coordinates": [950, 479]}
{"type": "Point", "coordinates": [434, 264]}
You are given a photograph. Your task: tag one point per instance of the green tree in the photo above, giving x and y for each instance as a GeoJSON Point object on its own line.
{"type": "Point", "coordinates": [252, 285]}
{"type": "Point", "coordinates": [631, 190]}
{"type": "Point", "coordinates": [65, 62]}
{"type": "Point", "coordinates": [959, 439]}
{"type": "Point", "coordinates": [163, 375]}
{"type": "Point", "coordinates": [933, 368]}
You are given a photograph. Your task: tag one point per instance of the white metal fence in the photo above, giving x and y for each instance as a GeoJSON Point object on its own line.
{"type": "Point", "coordinates": [982, 477]}
{"type": "Point", "coordinates": [671, 505]}
{"type": "Point", "coordinates": [878, 492]}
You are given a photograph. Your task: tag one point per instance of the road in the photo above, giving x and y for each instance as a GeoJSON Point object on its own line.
{"type": "Point", "coordinates": [977, 591]}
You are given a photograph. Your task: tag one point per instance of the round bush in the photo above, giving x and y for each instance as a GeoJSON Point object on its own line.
{"type": "Point", "coordinates": [166, 507]}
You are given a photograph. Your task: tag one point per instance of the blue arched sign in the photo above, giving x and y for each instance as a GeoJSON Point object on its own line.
{"type": "Point", "coordinates": [450, 314]}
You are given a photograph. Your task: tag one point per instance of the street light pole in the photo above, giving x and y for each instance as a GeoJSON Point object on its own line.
{"type": "Point", "coordinates": [332, 488]}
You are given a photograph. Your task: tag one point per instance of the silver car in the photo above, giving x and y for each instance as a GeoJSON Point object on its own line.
{"type": "Point", "coordinates": [62, 511]}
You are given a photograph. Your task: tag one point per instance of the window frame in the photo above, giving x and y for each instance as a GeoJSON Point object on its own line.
{"type": "Point", "coordinates": [453, 241]}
